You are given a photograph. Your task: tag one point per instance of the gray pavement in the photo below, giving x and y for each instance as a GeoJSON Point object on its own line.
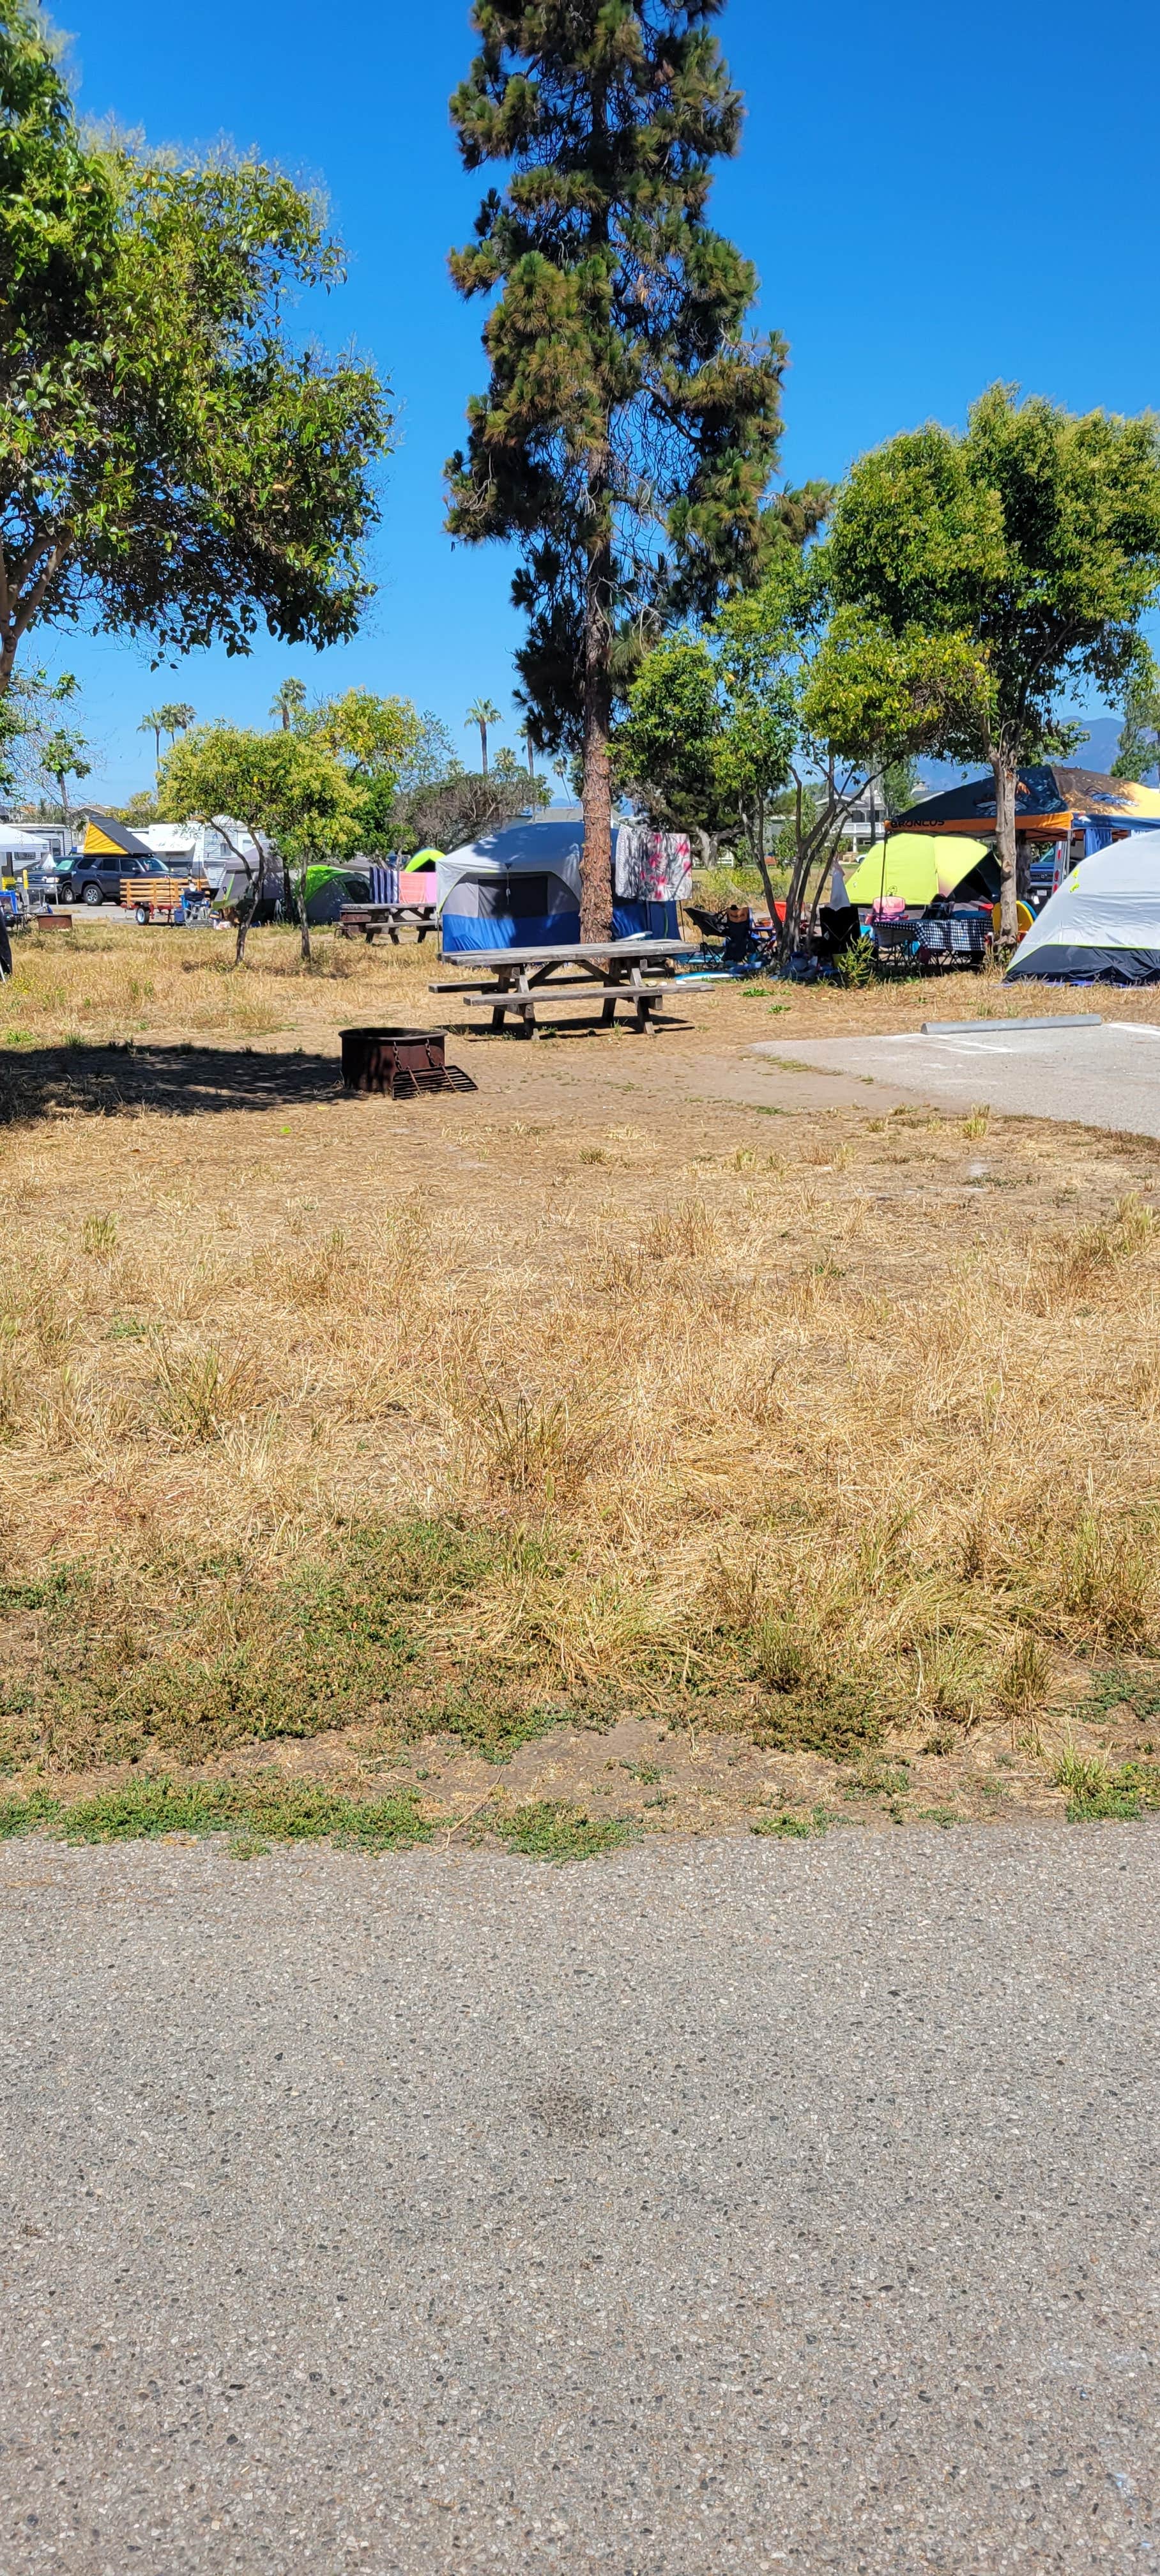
{"type": "Point", "coordinates": [730, 2206]}
{"type": "Point", "coordinates": [1103, 1077]}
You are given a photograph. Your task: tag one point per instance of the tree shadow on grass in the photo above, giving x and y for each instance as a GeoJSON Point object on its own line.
{"type": "Point", "coordinates": [179, 1081]}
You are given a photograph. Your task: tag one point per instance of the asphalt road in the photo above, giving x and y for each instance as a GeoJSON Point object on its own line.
{"type": "Point", "coordinates": [1104, 1077]}
{"type": "Point", "coordinates": [716, 2208]}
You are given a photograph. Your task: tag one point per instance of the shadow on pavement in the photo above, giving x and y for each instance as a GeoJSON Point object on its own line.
{"type": "Point", "coordinates": [181, 1081]}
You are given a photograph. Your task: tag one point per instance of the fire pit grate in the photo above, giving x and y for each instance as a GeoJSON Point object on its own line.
{"type": "Point", "coordinates": [399, 1062]}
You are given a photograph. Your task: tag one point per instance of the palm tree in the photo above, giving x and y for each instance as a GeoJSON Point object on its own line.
{"type": "Point", "coordinates": [483, 714]}
{"type": "Point", "coordinates": [289, 702]}
{"type": "Point", "coordinates": [175, 718]}
{"type": "Point", "coordinates": [154, 723]}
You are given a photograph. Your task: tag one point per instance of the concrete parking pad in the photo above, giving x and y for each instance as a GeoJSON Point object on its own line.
{"type": "Point", "coordinates": [737, 2206]}
{"type": "Point", "coordinates": [1105, 1076]}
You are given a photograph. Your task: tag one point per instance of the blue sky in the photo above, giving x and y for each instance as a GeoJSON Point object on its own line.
{"type": "Point", "coordinates": [933, 198]}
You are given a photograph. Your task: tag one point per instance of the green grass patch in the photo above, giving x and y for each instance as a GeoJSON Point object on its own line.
{"type": "Point", "coordinates": [1097, 1793]}
{"type": "Point", "coordinates": [284, 1811]}
{"type": "Point", "coordinates": [1119, 1688]}
{"type": "Point", "coordinates": [789, 1825]}
{"type": "Point", "coordinates": [191, 1658]}
{"type": "Point", "coordinates": [493, 1729]}
{"type": "Point", "coordinates": [552, 1829]}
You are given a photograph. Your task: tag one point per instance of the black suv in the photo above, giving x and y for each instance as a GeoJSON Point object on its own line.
{"type": "Point", "coordinates": [99, 880]}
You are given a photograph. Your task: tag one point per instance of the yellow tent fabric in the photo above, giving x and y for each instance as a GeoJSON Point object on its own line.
{"type": "Point", "coordinates": [1023, 918]}
{"type": "Point", "coordinates": [422, 859]}
{"type": "Point", "coordinates": [97, 844]}
{"type": "Point", "coordinates": [916, 866]}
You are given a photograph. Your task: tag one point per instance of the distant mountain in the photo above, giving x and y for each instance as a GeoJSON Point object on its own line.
{"type": "Point", "coordinates": [1096, 750]}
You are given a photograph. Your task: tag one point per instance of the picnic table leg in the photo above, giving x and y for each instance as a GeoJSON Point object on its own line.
{"type": "Point", "coordinates": [614, 974]}
{"type": "Point", "coordinates": [527, 1007]}
{"type": "Point", "coordinates": [644, 1002]}
{"type": "Point", "coordinates": [503, 1006]}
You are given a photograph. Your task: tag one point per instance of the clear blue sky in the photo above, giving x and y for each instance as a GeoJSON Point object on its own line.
{"type": "Point", "coordinates": [933, 198]}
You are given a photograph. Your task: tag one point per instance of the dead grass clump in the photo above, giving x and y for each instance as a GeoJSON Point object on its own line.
{"type": "Point", "coordinates": [12, 1391]}
{"type": "Point", "coordinates": [955, 1682]}
{"type": "Point", "coordinates": [1024, 1679]}
{"type": "Point", "coordinates": [531, 1451]}
{"type": "Point", "coordinates": [202, 1389]}
{"type": "Point", "coordinates": [1106, 1578]}
{"type": "Point", "coordinates": [317, 1276]}
{"type": "Point", "coordinates": [99, 1236]}
{"type": "Point", "coordinates": [37, 1307]}
{"type": "Point", "coordinates": [688, 1232]}
{"type": "Point", "coordinates": [1087, 1262]}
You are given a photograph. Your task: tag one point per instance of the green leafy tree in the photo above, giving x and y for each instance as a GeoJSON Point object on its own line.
{"type": "Point", "coordinates": [432, 757]}
{"type": "Point", "coordinates": [630, 428]}
{"type": "Point", "coordinates": [669, 745]}
{"type": "Point", "coordinates": [1034, 538]}
{"type": "Point", "coordinates": [170, 463]}
{"type": "Point", "coordinates": [785, 692]}
{"type": "Point", "coordinates": [711, 733]}
{"type": "Point", "coordinates": [451, 811]}
{"type": "Point", "coordinates": [1138, 749]}
{"type": "Point", "coordinates": [63, 756]}
{"type": "Point", "coordinates": [289, 793]}
{"type": "Point", "coordinates": [900, 783]}
{"type": "Point", "coordinates": [375, 737]}
{"type": "Point", "coordinates": [142, 809]}
{"type": "Point", "coordinates": [29, 721]}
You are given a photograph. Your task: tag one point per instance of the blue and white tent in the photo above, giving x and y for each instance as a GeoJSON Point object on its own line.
{"type": "Point", "coordinates": [1102, 925]}
{"type": "Point", "coordinates": [520, 888]}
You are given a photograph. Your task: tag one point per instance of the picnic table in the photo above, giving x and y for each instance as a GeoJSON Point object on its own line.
{"type": "Point", "coordinates": [637, 971]}
{"type": "Point", "coordinates": [372, 920]}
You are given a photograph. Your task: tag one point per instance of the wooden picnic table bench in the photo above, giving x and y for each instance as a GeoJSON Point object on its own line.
{"type": "Point", "coordinates": [608, 971]}
{"type": "Point", "coordinates": [372, 920]}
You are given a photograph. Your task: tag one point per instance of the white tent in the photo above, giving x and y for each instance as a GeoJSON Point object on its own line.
{"type": "Point", "coordinates": [19, 849]}
{"type": "Point", "coordinates": [1102, 923]}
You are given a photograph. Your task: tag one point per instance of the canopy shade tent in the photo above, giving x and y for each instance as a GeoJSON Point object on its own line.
{"type": "Point", "coordinates": [20, 848]}
{"type": "Point", "coordinates": [1102, 924]}
{"type": "Point", "coordinates": [1051, 799]}
{"type": "Point", "coordinates": [916, 867]}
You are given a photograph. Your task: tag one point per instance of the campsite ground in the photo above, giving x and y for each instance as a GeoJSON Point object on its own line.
{"type": "Point", "coordinates": [660, 1438]}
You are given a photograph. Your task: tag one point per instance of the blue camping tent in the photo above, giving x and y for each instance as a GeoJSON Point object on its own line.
{"type": "Point", "coordinates": [520, 888]}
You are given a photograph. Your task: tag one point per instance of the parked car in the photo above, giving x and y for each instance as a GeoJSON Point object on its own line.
{"type": "Point", "coordinates": [100, 879]}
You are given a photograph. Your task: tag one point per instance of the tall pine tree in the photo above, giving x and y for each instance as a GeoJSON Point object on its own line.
{"type": "Point", "coordinates": [630, 428]}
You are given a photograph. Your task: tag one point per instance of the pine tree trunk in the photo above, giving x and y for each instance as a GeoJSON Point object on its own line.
{"type": "Point", "coordinates": [596, 865]}
{"type": "Point", "coordinates": [1005, 846]}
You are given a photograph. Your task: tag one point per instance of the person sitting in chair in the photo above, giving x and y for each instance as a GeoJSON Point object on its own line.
{"type": "Point", "coordinates": [738, 935]}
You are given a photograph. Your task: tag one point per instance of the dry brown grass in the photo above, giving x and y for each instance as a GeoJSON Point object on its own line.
{"type": "Point", "coordinates": [346, 1417]}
